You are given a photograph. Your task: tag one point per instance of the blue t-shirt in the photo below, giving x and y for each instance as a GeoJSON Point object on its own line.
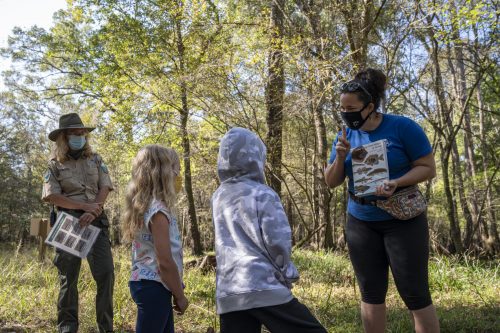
{"type": "Point", "coordinates": [406, 142]}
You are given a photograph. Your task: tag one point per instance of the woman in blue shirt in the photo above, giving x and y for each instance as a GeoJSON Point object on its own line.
{"type": "Point", "coordinates": [376, 240]}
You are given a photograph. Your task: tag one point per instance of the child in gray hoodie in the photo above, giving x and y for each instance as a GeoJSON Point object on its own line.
{"type": "Point", "coordinates": [253, 245]}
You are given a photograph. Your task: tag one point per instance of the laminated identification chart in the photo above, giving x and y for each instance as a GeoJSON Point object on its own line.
{"type": "Point", "coordinates": [69, 236]}
{"type": "Point", "coordinates": [369, 167]}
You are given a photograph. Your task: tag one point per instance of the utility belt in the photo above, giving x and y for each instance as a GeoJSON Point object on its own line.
{"type": "Point", "coordinates": [372, 202]}
{"type": "Point", "coordinates": [101, 221]}
{"type": "Point", "coordinates": [361, 201]}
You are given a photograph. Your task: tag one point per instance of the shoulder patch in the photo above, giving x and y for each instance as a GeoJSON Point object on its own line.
{"type": "Point", "coordinates": [104, 168]}
{"type": "Point", "coordinates": [46, 176]}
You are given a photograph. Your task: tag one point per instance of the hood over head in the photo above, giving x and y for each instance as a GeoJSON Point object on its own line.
{"type": "Point", "coordinates": [241, 154]}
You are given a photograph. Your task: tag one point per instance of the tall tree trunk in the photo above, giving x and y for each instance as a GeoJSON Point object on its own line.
{"type": "Point", "coordinates": [459, 185]}
{"type": "Point", "coordinates": [489, 230]}
{"type": "Point", "coordinates": [451, 209]}
{"type": "Point", "coordinates": [275, 90]}
{"type": "Point", "coordinates": [335, 200]}
{"type": "Point", "coordinates": [343, 217]}
{"type": "Point", "coordinates": [323, 191]}
{"type": "Point", "coordinates": [445, 118]}
{"type": "Point", "coordinates": [315, 195]}
{"type": "Point", "coordinates": [184, 113]}
{"type": "Point", "coordinates": [322, 194]}
{"type": "Point", "coordinates": [460, 82]}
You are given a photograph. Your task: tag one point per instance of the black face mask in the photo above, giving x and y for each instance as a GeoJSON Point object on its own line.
{"type": "Point", "coordinates": [354, 120]}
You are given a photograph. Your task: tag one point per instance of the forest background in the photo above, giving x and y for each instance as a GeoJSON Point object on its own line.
{"type": "Point", "coordinates": [181, 73]}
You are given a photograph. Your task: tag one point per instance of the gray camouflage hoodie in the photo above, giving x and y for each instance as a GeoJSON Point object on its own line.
{"type": "Point", "coordinates": [252, 234]}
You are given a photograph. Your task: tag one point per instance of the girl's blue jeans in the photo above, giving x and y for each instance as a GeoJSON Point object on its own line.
{"type": "Point", "coordinates": [154, 307]}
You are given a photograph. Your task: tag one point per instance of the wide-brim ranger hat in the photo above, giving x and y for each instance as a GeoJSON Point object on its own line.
{"type": "Point", "coordinates": [68, 121]}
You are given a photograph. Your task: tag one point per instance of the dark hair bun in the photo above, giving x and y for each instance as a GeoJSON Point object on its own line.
{"type": "Point", "coordinates": [375, 81]}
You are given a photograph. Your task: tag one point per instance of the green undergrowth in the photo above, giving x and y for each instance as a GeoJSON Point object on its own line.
{"type": "Point", "coordinates": [466, 293]}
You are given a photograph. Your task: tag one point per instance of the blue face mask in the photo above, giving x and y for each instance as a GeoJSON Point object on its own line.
{"type": "Point", "coordinates": [76, 142]}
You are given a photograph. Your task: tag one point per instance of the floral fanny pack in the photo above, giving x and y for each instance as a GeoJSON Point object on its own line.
{"type": "Point", "coordinates": [404, 204]}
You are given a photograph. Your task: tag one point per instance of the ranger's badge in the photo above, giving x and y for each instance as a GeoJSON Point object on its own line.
{"type": "Point", "coordinates": [47, 175]}
{"type": "Point", "coordinates": [104, 168]}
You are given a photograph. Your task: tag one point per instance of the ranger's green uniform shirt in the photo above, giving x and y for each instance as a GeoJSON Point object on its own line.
{"type": "Point", "coordinates": [78, 179]}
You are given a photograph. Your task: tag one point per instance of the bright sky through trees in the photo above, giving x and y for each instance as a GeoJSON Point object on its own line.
{"type": "Point", "coordinates": [24, 14]}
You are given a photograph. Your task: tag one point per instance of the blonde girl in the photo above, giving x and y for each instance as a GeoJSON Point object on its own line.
{"type": "Point", "coordinates": [150, 224]}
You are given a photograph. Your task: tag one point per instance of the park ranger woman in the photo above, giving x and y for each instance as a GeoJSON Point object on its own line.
{"type": "Point", "coordinates": [77, 182]}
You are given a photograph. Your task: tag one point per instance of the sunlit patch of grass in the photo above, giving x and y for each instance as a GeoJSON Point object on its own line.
{"type": "Point", "coordinates": [465, 292]}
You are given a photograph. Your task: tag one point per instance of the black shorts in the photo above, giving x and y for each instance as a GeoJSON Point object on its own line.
{"type": "Point", "coordinates": [374, 246]}
{"type": "Point", "coordinates": [291, 317]}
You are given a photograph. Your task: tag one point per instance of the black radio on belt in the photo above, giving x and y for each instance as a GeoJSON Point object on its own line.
{"type": "Point", "coordinates": [53, 216]}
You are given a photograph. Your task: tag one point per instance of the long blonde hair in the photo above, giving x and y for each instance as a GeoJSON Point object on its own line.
{"type": "Point", "coordinates": [61, 148]}
{"type": "Point", "coordinates": [154, 169]}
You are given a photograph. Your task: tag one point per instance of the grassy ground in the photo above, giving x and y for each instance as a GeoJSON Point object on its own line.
{"type": "Point", "coordinates": [466, 293]}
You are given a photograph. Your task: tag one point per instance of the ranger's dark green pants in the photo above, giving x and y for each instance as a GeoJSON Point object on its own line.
{"type": "Point", "coordinates": [101, 266]}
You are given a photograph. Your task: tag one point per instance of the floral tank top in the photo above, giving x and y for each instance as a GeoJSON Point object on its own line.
{"type": "Point", "coordinates": [144, 261]}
